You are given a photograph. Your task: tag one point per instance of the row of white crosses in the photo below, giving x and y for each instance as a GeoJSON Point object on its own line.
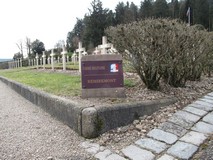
{"type": "Point", "coordinates": [104, 50]}
{"type": "Point", "coordinates": [15, 64]}
{"type": "Point", "coordinates": [51, 60]}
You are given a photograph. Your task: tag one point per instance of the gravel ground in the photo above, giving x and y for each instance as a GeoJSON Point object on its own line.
{"type": "Point", "coordinates": [60, 136]}
{"type": "Point", "coordinates": [27, 132]}
{"type": "Point", "coordinates": [118, 138]}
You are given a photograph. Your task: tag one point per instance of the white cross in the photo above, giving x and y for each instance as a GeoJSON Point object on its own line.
{"type": "Point", "coordinates": [104, 45]}
{"type": "Point", "coordinates": [52, 58]}
{"type": "Point", "coordinates": [96, 51]}
{"type": "Point", "coordinates": [80, 50]}
{"type": "Point", "coordinates": [74, 57]}
{"type": "Point", "coordinates": [37, 60]}
{"type": "Point", "coordinates": [44, 59]}
{"type": "Point", "coordinates": [84, 53]}
{"type": "Point", "coordinates": [63, 58]}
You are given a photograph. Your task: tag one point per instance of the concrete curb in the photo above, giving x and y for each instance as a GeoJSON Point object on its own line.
{"type": "Point", "coordinates": [64, 110]}
{"type": "Point", "coordinates": [88, 122]}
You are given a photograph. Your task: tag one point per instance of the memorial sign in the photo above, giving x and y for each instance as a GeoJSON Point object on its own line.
{"type": "Point", "coordinates": [102, 76]}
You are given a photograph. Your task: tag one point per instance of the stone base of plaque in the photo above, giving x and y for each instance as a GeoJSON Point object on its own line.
{"type": "Point", "coordinates": [104, 92]}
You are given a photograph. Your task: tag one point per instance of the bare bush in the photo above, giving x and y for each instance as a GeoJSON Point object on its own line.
{"type": "Point", "coordinates": [161, 48]}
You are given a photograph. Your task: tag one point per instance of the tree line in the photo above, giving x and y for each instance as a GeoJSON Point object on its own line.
{"type": "Point", "coordinates": [35, 47]}
{"type": "Point", "coordinates": [91, 28]}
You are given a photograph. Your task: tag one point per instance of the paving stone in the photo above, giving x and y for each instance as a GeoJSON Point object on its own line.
{"type": "Point", "coordinates": [208, 118]}
{"type": "Point", "coordinates": [135, 153]}
{"type": "Point", "coordinates": [179, 120]}
{"type": "Point", "coordinates": [204, 103]}
{"type": "Point", "coordinates": [173, 128]}
{"type": "Point", "coordinates": [103, 155]}
{"type": "Point", "coordinates": [208, 97]}
{"type": "Point", "coordinates": [196, 111]}
{"type": "Point", "coordinates": [200, 106]}
{"type": "Point", "coordinates": [194, 138]}
{"type": "Point", "coordinates": [85, 144]}
{"type": "Point", "coordinates": [207, 100]}
{"type": "Point", "coordinates": [152, 145]}
{"type": "Point", "coordinates": [161, 135]}
{"type": "Point", "coordinates": [187, 116]}
{"type": "Point", "coordinates": [92, 148]}
{"type": "Point", "coordinates": [166, 157]}
{"type": "Point", "coordinates": [114, 157]}
{"type": "Point", "coordinates": [182, 150]}
{"type": "Point", "coordinates": [203, 127]}
{"type": "Point", "coordinates": [210, 94]}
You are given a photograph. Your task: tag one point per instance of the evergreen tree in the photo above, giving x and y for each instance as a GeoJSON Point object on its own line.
{"type": "Point", "coordinates": [161, 9]}
{"type": "Point", "coordinates": [210, 15]}
{"type": "Point", "coordinates": [133, 11]}
{"type": "Point", "coordinates": [146, 9]}
{"type": "Point", "coordinates": [201, 12]}
{"type": "Point", "coordinates": [95, 23]}
{"type": "Point", "coordinates": [174, 9]}
{"type": "Point", "coordinates": [38, 47]}
{"type": "Point", "coordinates": [119, 13]}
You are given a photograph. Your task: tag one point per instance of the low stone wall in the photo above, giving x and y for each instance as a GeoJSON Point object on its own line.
{"type": "Point", "coordinates": [65, 110]}
{"type": "Point", "coordinates": [88, 122]}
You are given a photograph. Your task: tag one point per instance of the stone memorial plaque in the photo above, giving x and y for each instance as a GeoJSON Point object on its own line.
{"type": "Point", "coordinates": [102, 76]}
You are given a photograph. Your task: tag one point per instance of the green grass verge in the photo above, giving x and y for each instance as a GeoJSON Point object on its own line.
{"type": "Point", "coordinates": [56, 83]}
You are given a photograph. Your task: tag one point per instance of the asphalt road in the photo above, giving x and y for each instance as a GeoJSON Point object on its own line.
{"type": "Point", "coordinates": [27, 132]}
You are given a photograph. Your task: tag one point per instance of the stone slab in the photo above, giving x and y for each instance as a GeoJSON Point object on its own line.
{"type": "Point", "coordinates": [204, 103]}
{"type": "Point", "coordinates": [114, 156]}
{"type": "Point", "coordinates": [182, 150]}
{"type": "Point", "coordinates": [210, 94]}
{"type": "Point", "coordinates": [208, 97]}
{"type": "Point", "coordinates": [166, 157]}
{"type": "Point", "coordinates": [173, 128]}
{"type": "Point", "coordinates": [103, 92]}
{"type": "Point", "coordinates": [161, 135]}
{"type": "Point", "coordinates": [203, 127]}
{"type": "Point", "coordinates": [151, 144]}
{"type": "Point", "coordinates": [207, 100]}
{"type": "Point", "coordinates": [194, 138]}
{"type": "Point", "coordinates": [188, 116]}
{"type": "Point", "coordinates": [103, 155]}
{"type": "Point", "coordinates": [178, 120]}
{"type": "Point", "coordinates": [208, 118]}
{"type": "Point", "coordinates": [135, 153]}
{"type": "Point", "coordinates": [196, 111]}
{"type": "Point", "coordinates": [200, 106]}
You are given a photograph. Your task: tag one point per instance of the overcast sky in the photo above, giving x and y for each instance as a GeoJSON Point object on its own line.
{"type": "Point", "coordinates": [46, 20]}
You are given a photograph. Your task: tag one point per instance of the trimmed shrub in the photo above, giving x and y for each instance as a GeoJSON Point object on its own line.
{"type": "Point", "coordinates": [161, 48]}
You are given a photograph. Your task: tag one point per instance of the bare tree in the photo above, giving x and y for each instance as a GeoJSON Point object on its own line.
{"type": "Point", "coordinates": [28, 46]}
{"type": "Point", "coordinates": [59, 45]}
{"type": "Point", "coordinates": [20, 46]}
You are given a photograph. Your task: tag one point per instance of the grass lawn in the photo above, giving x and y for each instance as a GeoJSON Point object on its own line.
{"type": "Point", "coordinates": [56, 83]}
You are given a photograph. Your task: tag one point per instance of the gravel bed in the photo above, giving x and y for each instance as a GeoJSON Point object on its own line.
{"type": "Point", "coordinates": [27, 132]}
{"type": "Point", "coordinates": [118, 138]}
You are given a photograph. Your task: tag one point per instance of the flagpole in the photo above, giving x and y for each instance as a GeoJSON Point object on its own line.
{"type": "Point", "coordinates": [189, 17]}
{"type": "Point", "coordinates": [188, 13]}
